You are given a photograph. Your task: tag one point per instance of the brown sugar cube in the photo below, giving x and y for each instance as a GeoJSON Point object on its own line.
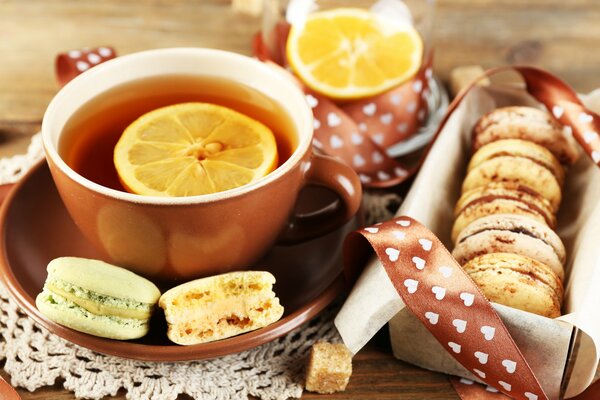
{"type": "Point", "coordinates": [329, 368]}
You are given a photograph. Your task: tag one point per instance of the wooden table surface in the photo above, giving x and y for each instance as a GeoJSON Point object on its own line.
{"type": "Point", "coordinates": [561, 36]}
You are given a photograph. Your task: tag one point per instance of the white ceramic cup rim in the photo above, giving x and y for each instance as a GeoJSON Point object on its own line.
{"type": "Point", "coordinates": [209, 62]}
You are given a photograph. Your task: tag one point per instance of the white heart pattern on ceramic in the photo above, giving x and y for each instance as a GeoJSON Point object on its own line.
{"type": "Point", "coordinates": [589, 136]}
{"type": "Point", "coordinates": [364, 178]}
{"type": "Point", "coordinates": [439, 292]}
{"type": "Point", "coordinates": [411, 285]}
{"type": "Point", "coordinates": [480, 373]}
{"type": "Point", "coordinates": [510, 365]}
{"type": "Point", "coordinates": [596, 156]}
{"type": "Point", "coordinates": [372, 229]}
{"type": "Point", "coordinates": [481, 357]}
{"type": "Point", "coordinates": [488, 332]}
{"type": "Point", "coordinates": [455, 347]}
{"type": "Point", "coordinates": [356, 138]}
{"type": "Point", "coordinates": [383, 176]}
{"type": "Point", "coordinates": [392, 253]}
{"type": "Point", "coordinates": [420, 264]}
{"type": "Point", "coordinates": [411, 107]}
{"type": "Point", "coordinates": [506, 386]}
{"type": "Point", "coordinates": [94, 58]}
{"type": "Point", "coordinates": [467, 298]}
{"type": "Point", "coordinates": [403, 222]}
{"type": "Point", "coordinates": [491, 389]}
{"type": "Point", "coordinates": [400, 172]}
{"type": "Point", "coordinates": [378, 138]}
{"type": "Point", "coordinates": [432, 317]}
{"type": "Point", "coordinates": [358, 161]}
{"type": "Point", "coordinates": [333, 120]}
{"type": "Point", "coordinates": [426, 244]}
{"type": "Point", "coordinates": [466, 381]}
{"type": "Point", "coordinates": [104, 51]}
{"type": "Point", "coordinates": [585, 117]}
{"type": "Point", "coordinates": [558, 111]}
{"type": "Point", "coordinates": [399, 235]}
{"type": "Point", "coordinates": [82, 66]}
{"type": "Point", "coordinates": [460, 325]}
{"type": "Point", "coordinates": [402, 127]}
{"type": "Point", "coordinates": [377, 157]}
{"type": "Point", "coordinates": [312, 100]}
{"type": "Point", "coordinates": [445, 271]}
{"type": "Point", "coordinates": [370, 109]}
{"type": "Point", "coordinates": [396, 99]}
{"type": "Point", "coordinates": [363, 127]}
{"type": "Point", "coordinates": [335, 141]}
{"type": "Point", "coordinates": [531, 396]}
{"type": "Point", "coordinates": [386, 118]}
{"type": "Point", "coordinates": [418, 86]}
{"type": "Point", "coordinates": [316, 124]}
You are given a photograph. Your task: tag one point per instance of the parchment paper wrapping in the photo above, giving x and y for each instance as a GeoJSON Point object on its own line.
{"type": "Point", "coordinates": [546, 344]}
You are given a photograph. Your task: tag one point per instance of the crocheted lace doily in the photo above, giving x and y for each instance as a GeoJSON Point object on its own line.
{"type": "Point", "coordinates": [35, 357]}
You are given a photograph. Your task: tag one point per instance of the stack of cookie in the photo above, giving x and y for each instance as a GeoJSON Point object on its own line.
{"type": "Point", "coordinates": [505, 219]}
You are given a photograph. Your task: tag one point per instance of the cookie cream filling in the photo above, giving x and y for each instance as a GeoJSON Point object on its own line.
{"type": "Point", "coordinates": [100, 304]}
{"type": "Point", "coordinates": [60, 301]}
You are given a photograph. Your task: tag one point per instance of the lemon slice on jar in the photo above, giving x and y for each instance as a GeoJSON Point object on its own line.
{"type": "Point", "coordinates": [351, 53]}
{"type": "Point", "coordinates": [192, 149]}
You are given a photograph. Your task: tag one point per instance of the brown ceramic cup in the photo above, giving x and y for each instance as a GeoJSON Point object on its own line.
{"type": "Point", "coordinates": [178, 238]}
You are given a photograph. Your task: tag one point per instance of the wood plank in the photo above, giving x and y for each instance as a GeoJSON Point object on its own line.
{"type": "Point", "coordinates": [557, 35]}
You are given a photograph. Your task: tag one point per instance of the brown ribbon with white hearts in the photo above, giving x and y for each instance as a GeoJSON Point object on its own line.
{"type": "Point", "coordinates": [359, 132]}
{"type": "Point", "coordinates": [437, 290]}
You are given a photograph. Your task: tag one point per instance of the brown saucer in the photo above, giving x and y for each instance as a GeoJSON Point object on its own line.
{"type": "Point", "coordinates": [36, 228]}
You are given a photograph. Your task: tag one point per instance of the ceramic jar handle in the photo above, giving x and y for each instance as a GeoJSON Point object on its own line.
{"type": "Point", "coordinates": [335, 175]}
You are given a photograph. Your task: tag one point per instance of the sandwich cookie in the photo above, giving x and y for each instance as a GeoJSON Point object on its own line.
{"type": "Point", "coordinates": [94, 297]}
{"type": "Point", "coordinates": [520, 162]}
{"type": "Point", "coordinates": [517, 234]}
{"type": "Point", "coordinates": [220, 306]}
{"type": "Point", "coordinates": [500, 198]}
{"type": "Point", "coordinates": [517, 281]}
{"type": "Point", "coordinates": [526, 123]}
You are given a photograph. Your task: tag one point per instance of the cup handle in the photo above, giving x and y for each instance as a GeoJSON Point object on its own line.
{"type": "Point", "coordinates": [335, 175]}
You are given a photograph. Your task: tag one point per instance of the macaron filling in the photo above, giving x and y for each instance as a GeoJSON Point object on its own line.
{"type": "Point", "coordinates": [57, 301]}
{"type": "Point", "coordinates": [519, 230]}
{"type": "Point", "coordinates": [97, 303]}
{"type": "Point", "coordinates": [531, 207]}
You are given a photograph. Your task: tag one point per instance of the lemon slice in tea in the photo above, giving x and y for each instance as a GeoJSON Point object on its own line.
{"type": "Point", "coordinates": [351, 53]}
{"type": "Point", "coordinates": [192, 149]}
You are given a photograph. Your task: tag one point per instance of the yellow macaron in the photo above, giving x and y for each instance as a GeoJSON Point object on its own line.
{"type": "Point", "coordinates": [517, 281]}
{"type": "Point", "coordinates": [517, 161]}
{"type": "Point", "coordinates": [500, 198]}
{"type": "Point", "coordinates": [220, 306]}
{"type": "Point", "coordinates": [527, 123]}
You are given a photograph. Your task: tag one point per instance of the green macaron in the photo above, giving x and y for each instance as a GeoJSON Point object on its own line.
{"type": "Point", "coordinates": [98, 298]}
